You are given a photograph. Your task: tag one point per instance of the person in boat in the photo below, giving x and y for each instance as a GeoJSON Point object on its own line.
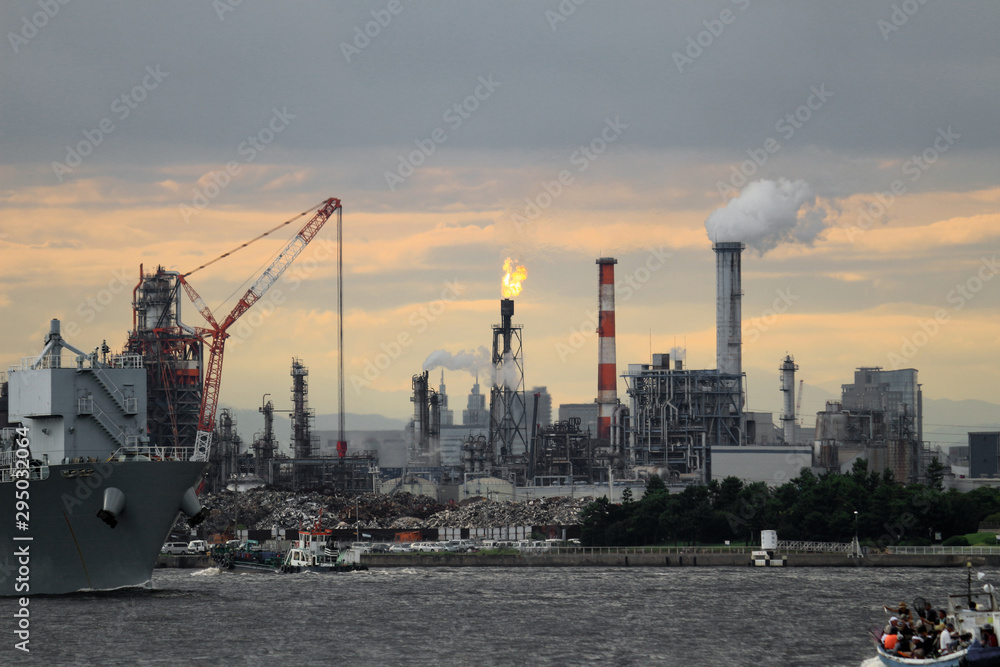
{"type": "Point", "coordinates": [989, 636]}
{"type": "Point", "coordinates": [941, 623]}
{"type": "Point", "coordinates": [964, 641]}
{"type": "Point", "coordinates": [901, 609]}
{"type": "Point", "coordinates": [905, 616]}
{"type": "Point", "coordinates": [889, 640]}
{"type": "Point", "coordinates": [928, 613]}
{"type": "Point", "coordinates": [947, 639]}
{"type": "Point", "coordinates": [893, 624]}
{"type": "Point", "coordinates": [904, 643]}
{"type": "Point", "coordinates": [927, 642]}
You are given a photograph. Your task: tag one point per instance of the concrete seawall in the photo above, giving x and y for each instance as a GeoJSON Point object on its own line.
{"type": "Point", "coordinates": [633, 560]}
{"type": "Point", "coordinates": [669, 560]}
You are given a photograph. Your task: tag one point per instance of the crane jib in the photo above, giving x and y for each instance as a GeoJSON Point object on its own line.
{"type": "Point", "coordinates": [213, 374]}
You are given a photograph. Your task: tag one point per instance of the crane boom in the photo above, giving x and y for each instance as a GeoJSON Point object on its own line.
{"type": "Point", "coordinates": [213, 371]}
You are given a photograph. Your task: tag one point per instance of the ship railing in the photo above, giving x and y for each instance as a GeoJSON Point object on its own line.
{"type": "Point", "coordinates": [109, 424]}
{"type": "Point", "coordinates": [135, 451]}
{"type": "Point", "coordinates": [116, 394]}
{"type": "Point", "coordinates": [51, 361]}
{"type": "Point", "coordinates": [35, 472]}
{"type": "Point", "coordinates": [124, 361]}
{"type": "Point", "coordinates": [7, 437]}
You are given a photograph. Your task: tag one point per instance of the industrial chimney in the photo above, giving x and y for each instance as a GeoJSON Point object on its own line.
{"type": "Point", "coordinates": [607, 382]}
{"type": "Point", "coordinates": [788, 368]}
{"type": "Point", "coordinates": [729, 313]}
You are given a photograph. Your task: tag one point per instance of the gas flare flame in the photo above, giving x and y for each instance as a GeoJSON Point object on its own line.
{"type": "Point", "coordinates": [513, 275]}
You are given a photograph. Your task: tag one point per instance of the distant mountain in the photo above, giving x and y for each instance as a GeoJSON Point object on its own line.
{"type": "Point", "coordinates": [948, 422]}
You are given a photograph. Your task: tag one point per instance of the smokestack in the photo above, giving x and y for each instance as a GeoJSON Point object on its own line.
{"type": "Point", "coordinates": [607, 384]}
{"type": "Point", "coordinates": [788, 368]}
{"type": "Point", "coordinates": [506, 314]}
{"type": "Point", "coordinates": [729, 312]}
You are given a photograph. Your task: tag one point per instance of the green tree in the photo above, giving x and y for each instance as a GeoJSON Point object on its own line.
{"type": "Point", "coordinates": [654, 485]}
{"type": "Point", "coordinates": [594, 521]}
{"type": "Point", "coordinates": [935, 475]}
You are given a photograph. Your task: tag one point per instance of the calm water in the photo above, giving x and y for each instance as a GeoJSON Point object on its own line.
{"type": "Point", "coordinates": [439, 616]}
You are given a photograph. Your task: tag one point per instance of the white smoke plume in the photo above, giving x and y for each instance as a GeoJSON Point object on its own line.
{"type": "Point", "coordinates": [474, 362]}
{"type": "Point", "coordinates": [507, 375]}
{"type": "Point", "coordinates": [678, 353]}
{"type": "Point", "coordinates": [768, 213]}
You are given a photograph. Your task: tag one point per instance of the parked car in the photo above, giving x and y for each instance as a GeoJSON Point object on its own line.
{"type": "Point", "coordinates": [461, 546]}
{"type": "Point", "coordinates": [198, 547]}
{"type": "Point", "coordinates": [175, 548]}
{"type": "Point", "coordinates": [362, 547]}
{"type": "Point", "coordinates": [380, 548]}
{"type": "Point", "coordinates": [468, 546]}
{"type": "Point", "coordinates": [400, 549]}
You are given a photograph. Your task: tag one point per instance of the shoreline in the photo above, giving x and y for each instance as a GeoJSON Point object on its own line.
{"type": "Point", "coordinates": [673, 560]}
{"type": "Point", "coordinates": [692, 559]}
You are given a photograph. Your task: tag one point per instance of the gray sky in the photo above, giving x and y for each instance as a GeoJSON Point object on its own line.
{"type": "Point", "coordinates": [839, 95]}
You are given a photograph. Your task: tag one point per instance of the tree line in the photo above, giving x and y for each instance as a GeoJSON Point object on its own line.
{"type": "Point", "coordinates": [831, 507]}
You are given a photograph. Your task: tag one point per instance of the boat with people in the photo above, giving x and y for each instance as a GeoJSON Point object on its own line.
{"type": "Point", "coordinates": [962, 635]}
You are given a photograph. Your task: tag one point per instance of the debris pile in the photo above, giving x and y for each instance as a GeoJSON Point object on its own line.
{"type": "Point", "coordinates": [539, 512]}
{"type": "Point", "coordinates": [262, 509]}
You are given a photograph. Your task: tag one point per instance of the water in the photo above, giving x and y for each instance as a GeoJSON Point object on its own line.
{"type": "Point", "coordinates": [480, 616]}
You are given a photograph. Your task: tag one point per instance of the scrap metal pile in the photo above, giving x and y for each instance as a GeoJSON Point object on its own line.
{"type": "Point", "coordinates": [262, 508]}
{"type": "Point", "coordinates": [483, 513]}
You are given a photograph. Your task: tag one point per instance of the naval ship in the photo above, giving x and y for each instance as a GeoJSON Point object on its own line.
{"type": "Point", "coordinates": [86, 502]}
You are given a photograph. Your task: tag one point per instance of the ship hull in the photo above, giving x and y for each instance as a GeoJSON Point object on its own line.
{"type": "Point", "coordinates": [70, 549]}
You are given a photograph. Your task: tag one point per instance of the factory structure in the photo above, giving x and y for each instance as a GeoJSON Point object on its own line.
{"type": "Point", "coordinates": [880, 419]}
{"type": "Point", "coordinates": [685, 425]}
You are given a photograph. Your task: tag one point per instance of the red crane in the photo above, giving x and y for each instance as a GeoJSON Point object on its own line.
{"type": "Point", "coordinates": [218, 332]}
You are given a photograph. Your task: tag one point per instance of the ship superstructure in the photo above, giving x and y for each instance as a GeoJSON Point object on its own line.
{"type": "Point", "coordinates": [100, 497]}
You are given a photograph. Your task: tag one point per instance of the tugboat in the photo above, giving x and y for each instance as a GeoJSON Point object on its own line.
{"type": "Point", "coordinates": [316, 551]}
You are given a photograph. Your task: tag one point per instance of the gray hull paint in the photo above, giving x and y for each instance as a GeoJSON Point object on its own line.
{"type": "Point", "coordinates": [73, 550]}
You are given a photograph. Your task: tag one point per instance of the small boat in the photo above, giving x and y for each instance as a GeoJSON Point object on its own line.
{"type": "Point", "coordinates": [247, 557]}
{"type": "Point", "coordinates": [969, 612]}
{"type": "Point", "coordinates": [316, 551]}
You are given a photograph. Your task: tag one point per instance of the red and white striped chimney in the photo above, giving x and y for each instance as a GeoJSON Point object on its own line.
{"type": "Point", "coordinates": [607, 382]}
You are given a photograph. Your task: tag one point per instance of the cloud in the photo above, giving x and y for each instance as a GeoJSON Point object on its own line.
{"type": "Point", "coordinates": [768, 213]}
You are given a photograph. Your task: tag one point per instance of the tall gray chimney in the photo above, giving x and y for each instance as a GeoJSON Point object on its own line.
{"type": "Point", "coordinates": [728, 313]}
